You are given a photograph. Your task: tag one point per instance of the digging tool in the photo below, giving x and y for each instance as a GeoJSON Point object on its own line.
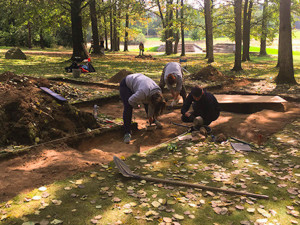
{"type": "Point", "coordinates": [126, 172]}
{"type": "Point", "coordinates": [242, 141]}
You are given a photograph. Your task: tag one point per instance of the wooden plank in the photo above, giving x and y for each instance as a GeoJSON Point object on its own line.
{"type": "Point", "coordinates": [248, 99]}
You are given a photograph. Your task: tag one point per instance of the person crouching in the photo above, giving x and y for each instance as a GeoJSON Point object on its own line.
{"type": "Point", "coordinates": [137, 89]}
{"type": "Point", "coordinates": [172, 76]}
{"type": "Point", "coordinates": [205, 108]}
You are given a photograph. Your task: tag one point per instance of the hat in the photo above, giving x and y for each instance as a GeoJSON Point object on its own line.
{"type": "Point", "coordinates": [197, 91]}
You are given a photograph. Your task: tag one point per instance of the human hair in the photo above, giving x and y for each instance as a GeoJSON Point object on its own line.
{"type": "Point", "coordinates": [197, 91]}
{"type": "Point", "coordinates": [158, 103]}
{"type": "Point", "coordinates": [171, 79]}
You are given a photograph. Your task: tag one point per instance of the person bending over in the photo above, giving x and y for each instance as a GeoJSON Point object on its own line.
{"type": "Point", "coordinates": [205, 107]}
{"type": "Point", "coordinates": [172, 76]}
{"type": "Point", "coordinates": [137, 89]}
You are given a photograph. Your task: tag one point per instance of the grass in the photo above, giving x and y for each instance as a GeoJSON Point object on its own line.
{"type": "Point", "coordinates": [105, 192]}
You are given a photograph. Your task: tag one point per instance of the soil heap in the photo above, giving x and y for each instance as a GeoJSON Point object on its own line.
{"type": "Point", "coordinates": [208, 73]}
{"type": "Point", "coordinates": [145, 57]}
{"type": "Point", "coordinates": [119, 76]}
{"type": "Point", "coordinates": [28, 115]}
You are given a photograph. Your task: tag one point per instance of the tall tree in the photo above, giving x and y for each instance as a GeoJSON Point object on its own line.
{"type": "Point", "coordinates": [182, 30]}
{"type": "Point", "coordinates": [246, 29]}
{"type": "Point", "coordinates": [238, 35]}
{"type": "Point", "coordinates": [286, 67]}
{"type": "Point", "coordinates": [126, 32]}
{"type": "Point", "coordinates": [209, 31]}
{"type": "Point", "coordinates": [264, 27]}
{"type": "Point", "coordinates": [177, 30]}
{"type": "Point", "coordinates": [169, 28]}
{"type": "Point", "coordinates": [77, 34]}
{"type": "Point", "coordinates": [94, 21]}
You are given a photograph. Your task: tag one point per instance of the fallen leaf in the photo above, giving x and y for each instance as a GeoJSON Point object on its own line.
{"type": "Point", "coordinates": [167, 219]}
{"type": "Point", "coordinates": [155, 204]}
{"type": "Point", "coordinates": [178, 217]}
{"type": "Point", "coordinates": [56, 221]}
{"type": "Point", "coordinates": [264, 212]}
{"type": "Point", "coordinates": [220, 211]}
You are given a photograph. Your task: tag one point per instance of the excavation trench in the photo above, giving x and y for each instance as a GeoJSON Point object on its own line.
{"type": "Point", "coordinates": [47, 163]}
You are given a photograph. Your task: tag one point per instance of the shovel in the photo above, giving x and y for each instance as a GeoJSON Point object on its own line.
{"type": "Point", "coordinates": [126, 172]}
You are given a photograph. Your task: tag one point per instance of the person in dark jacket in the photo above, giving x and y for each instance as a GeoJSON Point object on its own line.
{"type": "Point", "coordinates": [137, 89]}
{"type": "Point", "coordinates": [205, 107]}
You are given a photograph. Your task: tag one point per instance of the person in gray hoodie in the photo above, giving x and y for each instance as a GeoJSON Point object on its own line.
{"type": "Point", "coordinates": [172, 76]}
{"type": "Point", "coordinates": [137, 89]}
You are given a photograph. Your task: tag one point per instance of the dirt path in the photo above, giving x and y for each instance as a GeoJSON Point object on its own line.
{"type": "Point", "coordinates": [44, 165]}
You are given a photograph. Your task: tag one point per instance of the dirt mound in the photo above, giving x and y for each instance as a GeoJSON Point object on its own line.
{"type": "Point", "coordinates": [119, 76]}
{"type": "Point", "coordinates": [208, 73]}
{"type": "Point", "coordinates": [145, 57]}
{"type": "Point", "coordinates": [28, 115]}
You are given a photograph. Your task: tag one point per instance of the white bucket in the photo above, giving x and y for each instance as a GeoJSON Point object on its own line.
{"type": "Point", "coordinates": [76, 72]}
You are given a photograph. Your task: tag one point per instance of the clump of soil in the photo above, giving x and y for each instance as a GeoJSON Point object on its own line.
{"type": "Point", "coordinates": [208, 73]}
{"type": "Point", "coordinates": [145, 57]}
{"type": "Point", "coordinates": [28, 115]}
{"type": "Point", "coordinates": [119, 76]}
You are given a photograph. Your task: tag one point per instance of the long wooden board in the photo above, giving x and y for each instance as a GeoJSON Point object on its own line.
{"type": "Point", "coordinates": [223, 99]}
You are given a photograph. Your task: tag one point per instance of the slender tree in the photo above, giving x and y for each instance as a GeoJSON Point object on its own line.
{"type": "Point", "coordinates": [177, 36]}
{"type": "Point", "coordinates": [77, 34]}
{"type": "Point", "coordinates": [126, 33]}
{"type": "Point", "coordinates": [264, 27]}
{"type": "Point", "coordinates": [238, 35]}
{"type": "Point", "coordinates": [209, 31]}
{"type": "Point", "coordinates": [286, 67]}
{"type": "Point", "coordinates": [182, 30]}
{"type": "Point", "coordinates": [94, 21]}
{"type": "Point", "coordinates": [169, 28]}
{"type": "Point", "coordinates": [246, 29]}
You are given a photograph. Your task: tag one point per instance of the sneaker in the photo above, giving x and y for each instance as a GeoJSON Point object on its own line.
{"type": "Point", "coordinates": [158, 124]}
{"type": "Point", "coordinates": [127, 138]}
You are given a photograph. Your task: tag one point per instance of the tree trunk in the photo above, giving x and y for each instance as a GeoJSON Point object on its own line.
{"type": "Point", "coordinates": [111, 28]}
{"type": "Point", "coordinates": [286, 67]}
{"type": "Point", "coordinates": [177, 31]}
{"type": "Point", "coordinates": [126, 33]}
{"type": "Point", "coordinates": [95, 35]}
{"type": "Point", "coordinates": [29, 35]}
{"type": "Point", "coordinates": [246, 30]}
{"type": "Point", "coordinates": [77, 35]}
{"type": "Point", "coordinates": [264, 27]}
{"type": "Point", "coordinates": [169, 29]}
{"type": "Point", "coordinates": [209, 32]}
{"type": "Point", "coordinates": [238, 35]}
{"type": "Point", "coordinates": [182, 30]}
{"type": "Point", "coordinates": [42, 42]}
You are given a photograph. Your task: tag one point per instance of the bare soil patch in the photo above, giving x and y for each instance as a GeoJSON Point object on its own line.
{"type": "Point", "coordinates": [46, 164]}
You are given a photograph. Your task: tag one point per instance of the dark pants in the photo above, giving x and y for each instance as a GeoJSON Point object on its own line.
{"type": "Point", "coordinates": [193, 115]}
{"type": "Point", "coordinates": [125, 94]}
